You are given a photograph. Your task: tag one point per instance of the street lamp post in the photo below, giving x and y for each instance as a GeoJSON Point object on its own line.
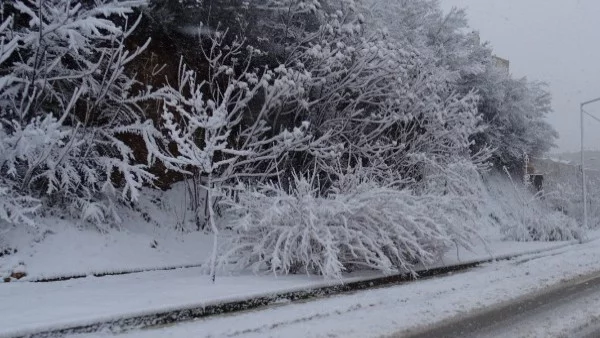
{"type": "Point", "coordinates": [584, 187]}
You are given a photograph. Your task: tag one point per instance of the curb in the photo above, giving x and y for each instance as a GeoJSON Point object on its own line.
{"type": "Point", "coordinates": [108, 273]}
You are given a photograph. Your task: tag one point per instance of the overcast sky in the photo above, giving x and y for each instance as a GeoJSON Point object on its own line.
{"type": "Point", "coordinates": [557, 41]}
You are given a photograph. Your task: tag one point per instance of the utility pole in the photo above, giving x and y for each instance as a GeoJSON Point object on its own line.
{"type": "Point", "coordinates": [583, 180]}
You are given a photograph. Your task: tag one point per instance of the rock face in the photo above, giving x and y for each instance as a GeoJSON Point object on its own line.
{"type": "Point", "coordinates": [18, 275]}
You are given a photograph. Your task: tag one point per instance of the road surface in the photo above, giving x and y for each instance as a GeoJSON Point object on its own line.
{"type": "Point", "coordinates": [568, 310]}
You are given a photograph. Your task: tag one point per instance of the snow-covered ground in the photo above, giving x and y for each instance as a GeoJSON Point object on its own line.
{"type": "Point", "coordinates": [159, 234]}
{"type": "Point", "coordinates": [71, 251]}
{"type": "Point", "coordinates": [34, 307]}
{"type": "Point", "coordinates": [152, 238]}
{"type": "Point", "coordinates": [405, 307]}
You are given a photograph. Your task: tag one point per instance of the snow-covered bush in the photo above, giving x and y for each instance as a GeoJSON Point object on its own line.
{"type": "Point", "coordinates": [532, 217]}
{"type": "Point", "coordinates": [219, 123]}
{"type": "Point", "coordinates": [14, 209]}
{"type": "Point", "coordinates": [220, 132]}
{"type": "Point", "coordinates": [66, 102]}
{"type": "Point", "coordinates": [361, 225]}
{"type": "Point", "coordinates": [460, 181]}
{"type": "Point", "coordinates": [563, 191]}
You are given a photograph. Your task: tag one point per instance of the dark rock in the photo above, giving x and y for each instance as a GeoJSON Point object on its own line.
{"type": "Point", "coordinates": [18, 275]}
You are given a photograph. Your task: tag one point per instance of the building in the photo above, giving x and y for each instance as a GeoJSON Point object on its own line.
{"type": "Point", "coordinates": [501, 63]}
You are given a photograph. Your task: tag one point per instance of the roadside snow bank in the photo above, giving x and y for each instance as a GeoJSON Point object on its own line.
{"type": "Point", "coordinates": [399, 309]}
{"type": "Point", "coordinates": [35, 307]}
{"type": "Point", "coordinates": [160, 233]}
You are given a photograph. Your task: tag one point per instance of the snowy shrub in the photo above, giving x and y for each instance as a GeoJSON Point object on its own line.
{"type": "Point", "coordinates": [220, 127]}
{"type": "Point", "coordinates": [368, 226]}
{"type": "Point", "coordinates": [15, 209]}
{"type": "Point", "coordinates": [210, 127]}
{"type": "Point", "coordinates": [461, 183]}
{"type": "Point", "coordinates": [533, 218]}
{"type": "Point", "coordinates": [536, 222]}
{"type": "Point", "coordinates": [66, 104]}
{"type": "Point", "coordinates": [563, 190]}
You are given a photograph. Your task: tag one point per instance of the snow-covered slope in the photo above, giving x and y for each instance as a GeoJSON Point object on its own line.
{"type": "Point", "coordinates": [161, 233]}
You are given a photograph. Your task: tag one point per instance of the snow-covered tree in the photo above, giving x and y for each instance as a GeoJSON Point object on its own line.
{"type": "Point", "coordinates": [14, 209]}
{"type": "Point", "coordinates": [66, 102]}
{"type": "Point", "coordinates": [218, 123]}
{"type": "Point", "coordinates": [515, 111]}
{"type": "Point", "coordinates": [219, 120]}
{"type": "Point", "coordinates": [444, 39]}
{"type": "Point", "coordinates": [405, 128]}
{"type": "Point", "coordinates": [382, 99]}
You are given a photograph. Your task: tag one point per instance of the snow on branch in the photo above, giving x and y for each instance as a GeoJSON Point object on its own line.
{"type": "Point", "coordinates": [366, 227]}
{"type": "Point", "coordinates": [216, 130]}
{"type": "Point", "coordinates": [66, 102]}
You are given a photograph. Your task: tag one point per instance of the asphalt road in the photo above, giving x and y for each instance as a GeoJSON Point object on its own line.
{"type": "Point", "coordinates": [571, 309]}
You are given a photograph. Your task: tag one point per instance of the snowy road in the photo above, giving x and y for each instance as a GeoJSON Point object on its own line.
{"type": "Point", "coordinates": [406, 309]}
{"type": "Point", "coordinates": [571, 310]}
{"type": "Point", "coordinates": [88, 301]}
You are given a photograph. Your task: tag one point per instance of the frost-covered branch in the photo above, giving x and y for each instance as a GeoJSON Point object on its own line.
{"type": "Point", "coordinates": [67, 103]}
{"type": "Point", "coordinates": [365, 227]}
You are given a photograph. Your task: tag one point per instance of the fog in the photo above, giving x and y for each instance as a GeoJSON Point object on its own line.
{"type": "Point", "coordinates": [557, 41]}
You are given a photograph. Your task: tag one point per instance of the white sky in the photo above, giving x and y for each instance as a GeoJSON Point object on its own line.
{"type": "Point", "coordinates": [557, 41]}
